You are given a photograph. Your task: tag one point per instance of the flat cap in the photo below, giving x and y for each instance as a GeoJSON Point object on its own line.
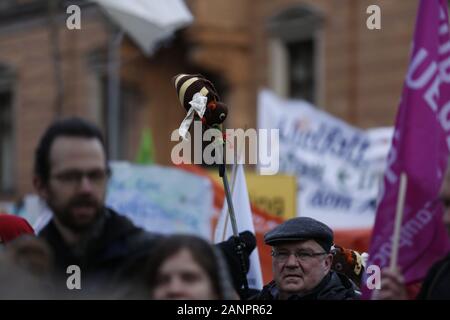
{"type": "Point", "coordinates": [301, 228]}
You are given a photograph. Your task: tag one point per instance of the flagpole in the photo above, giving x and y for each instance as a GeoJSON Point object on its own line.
{"type": "Point", "coordinates": [233, 183]}
{"type": "Point", "coordinates": [239, 245]}
{"type": "Point", "coordinates": [398, 221]}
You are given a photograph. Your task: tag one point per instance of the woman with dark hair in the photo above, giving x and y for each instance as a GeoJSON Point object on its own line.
{"type": "Point", "coordinates": [189, 268]}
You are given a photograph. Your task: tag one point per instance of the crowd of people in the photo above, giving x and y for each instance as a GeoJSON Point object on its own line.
{"type": "Point", "coordinates": [118, 260]}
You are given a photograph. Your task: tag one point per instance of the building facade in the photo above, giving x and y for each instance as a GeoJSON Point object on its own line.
{"type": "Point", "coordinates": [321, 51]}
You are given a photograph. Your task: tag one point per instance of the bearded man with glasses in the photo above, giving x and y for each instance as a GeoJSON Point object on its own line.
{"type": "Point", "coordinates": [71, 174]}
{"type": "Point", "coordinates": [301, 263]}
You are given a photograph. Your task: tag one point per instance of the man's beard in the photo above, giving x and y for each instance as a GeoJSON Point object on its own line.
{"type": "Point", "coordinates": [67, 218]}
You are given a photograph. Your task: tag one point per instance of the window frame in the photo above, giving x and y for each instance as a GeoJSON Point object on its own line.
{"type": "Point", "coordinates": [307, 23]}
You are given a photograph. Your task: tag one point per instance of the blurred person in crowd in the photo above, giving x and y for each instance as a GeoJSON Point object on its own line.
{"type": "Point", "coordinates": [31, 254]}
{"type": "Point", "coordinates": [32, 257]}
{"type": "Point", "coordinates": [436, 285]}
{"type": "Point", "coordinates": [71, 175]}
{"type": "Point", "coordinates": [23, 274]}
{"type": "Point", "coordinates": [12, 227]}
{"type": "Point", "coordinates": [189, 268]}
{"type": "Point", "coordinates": [302, 259]}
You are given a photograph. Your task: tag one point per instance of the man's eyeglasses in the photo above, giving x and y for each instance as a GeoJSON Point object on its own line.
{"type": "Point", "coordinates": [302, 256]}
{"type": "Point", "coordinates": [74, 177]}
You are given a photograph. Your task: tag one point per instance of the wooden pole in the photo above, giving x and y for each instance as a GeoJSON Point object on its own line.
{"type": "Point", "coordinates": [398, 220]}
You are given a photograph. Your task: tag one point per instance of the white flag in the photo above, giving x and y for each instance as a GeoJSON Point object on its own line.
{"type": "Point", "coordinates": [242, 209]}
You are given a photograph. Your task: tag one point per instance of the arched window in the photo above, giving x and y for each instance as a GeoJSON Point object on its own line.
{"type": "Point", "coordinates": [6, 130]}
{"type": "Point", "coordinates": [294, 52]}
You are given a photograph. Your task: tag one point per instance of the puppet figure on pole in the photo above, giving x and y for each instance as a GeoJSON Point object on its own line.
{"type": "Point", "coordinates": [201, 101]}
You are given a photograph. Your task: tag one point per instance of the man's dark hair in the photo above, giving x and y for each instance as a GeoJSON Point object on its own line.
{"type": "Point", "coordinates": [69, 127]}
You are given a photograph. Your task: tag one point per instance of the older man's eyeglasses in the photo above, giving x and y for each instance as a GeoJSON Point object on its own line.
{"type": "Point", "coordinates": [74, 177]}
{"type": "Point", "coordinates": [302, 256]}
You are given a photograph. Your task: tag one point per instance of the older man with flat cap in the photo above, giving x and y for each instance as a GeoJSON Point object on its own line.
{"type": "Point", "coordinates": [301, 262]}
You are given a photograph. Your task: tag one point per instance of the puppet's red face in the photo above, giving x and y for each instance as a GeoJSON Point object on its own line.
{"type": "Point", "coordinates": [215, 113]}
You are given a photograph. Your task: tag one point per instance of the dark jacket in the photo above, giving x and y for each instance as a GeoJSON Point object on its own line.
{"type": "Point", "coordinates": [111, 256]}
{"type": "Point", "coordinates": [436, 285]}
{"type": "Point", "coordinates": [334, 286]}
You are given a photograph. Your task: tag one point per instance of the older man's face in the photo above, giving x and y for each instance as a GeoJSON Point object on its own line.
{"type": "Point", "coordinates": [299, 266]}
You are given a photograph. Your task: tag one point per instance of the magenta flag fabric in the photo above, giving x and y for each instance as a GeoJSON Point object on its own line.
{"type": "Point", "coordinates": [420, 148]}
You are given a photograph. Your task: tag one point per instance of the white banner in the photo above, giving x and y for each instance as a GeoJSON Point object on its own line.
{"type": "Point", "coordinates": [159, 199]}
{"type": "Point", "coordinates": [339, 167]}
{"type": "Point", "coordinates": [162, 199]}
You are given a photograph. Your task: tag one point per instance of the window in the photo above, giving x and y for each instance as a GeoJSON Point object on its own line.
{"type": "Point", "coordinates": [293, 53]}
{"type": "Point", "coordinates": [301, 75]}
{"type": "Point", "coordinates": [6, 131]}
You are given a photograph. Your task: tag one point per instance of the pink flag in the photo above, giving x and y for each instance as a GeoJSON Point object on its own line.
{"type": "Point", "coordinates": [420, 148]}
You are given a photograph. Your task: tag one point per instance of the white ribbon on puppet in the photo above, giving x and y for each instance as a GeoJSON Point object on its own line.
{"type": "Point", "coordinates": [198, 105]}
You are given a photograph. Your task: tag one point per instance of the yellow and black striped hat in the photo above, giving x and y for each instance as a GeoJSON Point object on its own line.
{"type": "Point", "coordinates": [189, 84]}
